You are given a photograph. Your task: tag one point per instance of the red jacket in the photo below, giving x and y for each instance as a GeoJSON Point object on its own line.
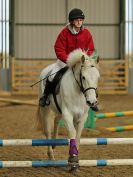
{"type": "Point", "coordinates": [66, 42]}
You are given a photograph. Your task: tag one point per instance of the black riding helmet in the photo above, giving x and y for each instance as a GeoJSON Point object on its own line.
{"type": "Point", "coordinates": [76, 13]}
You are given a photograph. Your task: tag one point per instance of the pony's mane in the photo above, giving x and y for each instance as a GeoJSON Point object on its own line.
{"type": "Point", "coordinates": [75, 57]}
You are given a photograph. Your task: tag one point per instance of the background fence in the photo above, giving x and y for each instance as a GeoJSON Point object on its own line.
{"type": "Point", "coordinates": [114, 76]}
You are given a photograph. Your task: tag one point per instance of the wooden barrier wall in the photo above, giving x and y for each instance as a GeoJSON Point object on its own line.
{"type": "Point", "coordinates": [25, 73]}
{"type": "Point", "coordinates": [114, 76]}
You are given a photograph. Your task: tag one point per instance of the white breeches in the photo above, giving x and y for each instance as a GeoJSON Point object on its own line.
{"type": "Point", "coordinates": [50, 71]}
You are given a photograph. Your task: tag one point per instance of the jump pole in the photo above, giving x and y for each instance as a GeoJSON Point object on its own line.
{"type": "Point", "coordinates": [64, 142]}
{"type": "Point", "coordinates": [21, 102]}
{"type": "Point", "coordinates": [64, 163]}
{"type": "Point", "coordinates": [120, 128]}
{"type": "Point", "coordinates": [114, 114]}
{"type": "Point", "coordinates": [90, 123]}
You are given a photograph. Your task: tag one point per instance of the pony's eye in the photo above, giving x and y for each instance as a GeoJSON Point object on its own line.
{"type": "Point", "coordinates": [83, 77]}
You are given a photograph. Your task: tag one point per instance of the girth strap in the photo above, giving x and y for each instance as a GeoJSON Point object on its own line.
{"type": "Point", "coordinates": [56, 102]}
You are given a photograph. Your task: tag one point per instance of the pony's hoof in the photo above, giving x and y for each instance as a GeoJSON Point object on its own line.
{"type": "Point", "coordinates": [73, 159]}
{"type": "Point", "coordinates": [73, 163]}
{"type": "Point", "coordinates": [74, 168]}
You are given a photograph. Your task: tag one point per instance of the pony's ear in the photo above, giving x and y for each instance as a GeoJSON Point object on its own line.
{"type": "Point", "coordinates": [83, 59]}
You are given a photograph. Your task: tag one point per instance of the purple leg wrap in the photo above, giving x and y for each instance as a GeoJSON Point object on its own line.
{"type": "Point", "coordinates": [73, 147]}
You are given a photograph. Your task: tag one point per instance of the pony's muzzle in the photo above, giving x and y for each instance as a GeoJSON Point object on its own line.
{"type": "Point", "coordinates": [92, 104]}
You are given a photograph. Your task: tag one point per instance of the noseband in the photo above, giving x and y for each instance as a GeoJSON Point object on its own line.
{"type": "Point", "coordinates": [81, 84]}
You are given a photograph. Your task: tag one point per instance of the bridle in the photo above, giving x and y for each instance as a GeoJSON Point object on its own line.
{"type": "Point", "coordinates": [83, 90]}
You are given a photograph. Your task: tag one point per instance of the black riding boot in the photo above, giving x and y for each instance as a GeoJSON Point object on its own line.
{"type": "Point", "coordinates": [44, 100]}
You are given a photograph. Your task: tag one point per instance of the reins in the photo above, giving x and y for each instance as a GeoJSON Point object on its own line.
{"type": "Point", "coordinates": [81, 83]}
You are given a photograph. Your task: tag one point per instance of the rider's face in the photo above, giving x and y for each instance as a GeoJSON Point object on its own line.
{"type": "Point", "coordinates": [78, 22]}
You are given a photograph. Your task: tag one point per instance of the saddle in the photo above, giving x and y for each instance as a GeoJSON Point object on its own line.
{"type": "Point", "coordinates": [57, 79]}
{"type": "Point", "coordinates": [54, 85]}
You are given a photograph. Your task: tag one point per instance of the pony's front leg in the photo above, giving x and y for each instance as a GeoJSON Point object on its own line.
{"type": "Point", "coordinates": [79, 127]}
{"type": "Point", "coordinates": [73, 150]}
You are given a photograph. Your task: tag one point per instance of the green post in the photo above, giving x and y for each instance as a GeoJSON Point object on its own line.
{"type": "Point", "coordinates": [61, 123]}
{"type": "Point", "coordinates": [90, 122]}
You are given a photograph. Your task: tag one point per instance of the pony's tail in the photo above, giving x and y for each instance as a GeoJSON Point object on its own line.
{"type": "Point", "coordinates": [38, 122]}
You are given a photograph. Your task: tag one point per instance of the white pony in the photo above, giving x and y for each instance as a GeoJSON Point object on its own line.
{"type": "Point", "coordinates": [77, 93]}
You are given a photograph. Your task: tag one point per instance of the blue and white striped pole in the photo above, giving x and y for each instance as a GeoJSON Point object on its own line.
{"type": "Point", "coordinates": [63, 163]}
{"type": "Point", "coordinates": [34, 142]}
{"type": "Point", "coordinates": [63, 142]}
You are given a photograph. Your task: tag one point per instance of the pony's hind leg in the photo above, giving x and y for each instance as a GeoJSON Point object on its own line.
{"type": "Point", "coordinates": [55, 132]}
{"type": "Point", "coordinates": [47, 121]}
